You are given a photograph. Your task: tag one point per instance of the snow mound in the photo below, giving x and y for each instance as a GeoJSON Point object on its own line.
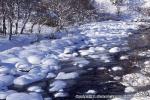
{"type": "Point", "coordinates": [23, 66]}
{"type": "Point", "coordinates": [24, 96]}
{"type": "Point", "coordinates": [57, 85]}
{"type": "Point", "coordinates": [117, 68]}
{"type": "Point", "coordinates": [35, 89]}
{"type": "Point", "coordinates": [91, 92]}
{"type": "Point", "coordinates": [29, 78]}
{"type": "Point", "coordinates": [60, 94]}
{"type": "Point", "coordinates": [34, 59]}
{"type": "Point", "coordinates": [4, 70]}
{"type": "Point", "coordinates": [63, 75]}
{"type": "Point", "coordinates": [4, 94]}
{"type": "Point", "coordinates": [129, 90]}
{"type": "Point", "coordinates": [114, 50]}
{"type": "Point", "coordinates": [6, 79]}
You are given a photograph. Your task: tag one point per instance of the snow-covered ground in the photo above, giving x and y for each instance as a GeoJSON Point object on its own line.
{"type": "Point", "coordinates": [25, 64]}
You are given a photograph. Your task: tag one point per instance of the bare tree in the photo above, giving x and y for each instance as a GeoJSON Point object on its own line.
{"type": "Point", "coordinates": [118, 4]}
{"type": "Point", "coordinates": [3, 15]}
{"type": "Point", "coordinates": [10, 16]}
{"type": "Point", "coordinates": [70, 11]}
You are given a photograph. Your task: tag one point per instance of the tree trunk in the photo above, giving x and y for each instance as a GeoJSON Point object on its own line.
{"type": "Point", "coordinates": [24, 25]}
{"type": "Point", "coordinates": [4, 25]}
{"type": "Point", "coordinates": [16, 30]}
{"type": "Point", "coordinates": [4, 18]}
{"type": "Point", "coordinates": [32, 27]}
{"type": "Point", "coordinates": [18, 15]}
{"type": "Point", "coordinates": [10, 31]}
{"type": "Point", "coordinates": [39, 29]}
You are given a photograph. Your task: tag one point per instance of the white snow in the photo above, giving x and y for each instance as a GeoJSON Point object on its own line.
{"type": "Point", "coordinates": [125, 57]}
{"type": "Point", "coordinates": [84, 52]}
{"type": "Point", "coordinates": [50, 62]}
{"type": "Point", "coordinates": [116, 68]}
{"type": "Point", "coordinates": [118, 99]}
{"type": "Point", "coordinates": [114, 50]}
{"type": "Point", "coordinates": [61, 94]}
{"type": "Point", "coordinates": [117, 78]}
{"type": "Point", "coordinates": [4, 70]}
{"type": "Point", "coordinates": [63, 75]}
{"type": "Point", "coordinates": [29, 78]}
{"type": "Point", "coordinates": [51, 75]}
{"type": "Point", "coordinates": [34, 59]}
{"type": "Point", "coordinates": [81, 62]}
{"type": "Point", "coordinates": [47, 98]}
{"type": "Point", "coordinates": [68, 50]}
{"type": "Point", "coordinates": [57, 85]}
{"type": "Point", "coordinates": [35, 89]}
{"type": "Point", "coordinates": [101, 49]}
{"type": "Point", "coordinates": [91, 92]}
{"type": "Point", "coordinates": [129, 90]}
{"type": "Point", "coordinates": [24, 96]}
{"type": "Point", "coordinates": [24, 66]}
{"type": "Point", "coordinates": [6, 79]}
{"type": "Point", "coordinates": [4, 94]}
